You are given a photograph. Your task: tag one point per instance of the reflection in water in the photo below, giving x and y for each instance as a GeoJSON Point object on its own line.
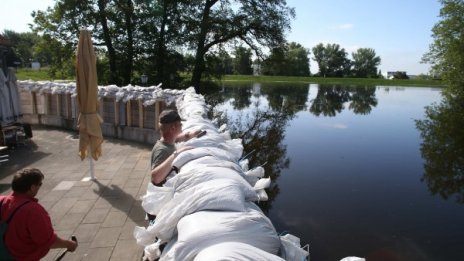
{"type": "Point", "coordinates": [442, 147]}
{"type": "Point", "coordinates": [355, 190]}
{"type": "Point", "coordinates": [330, 100]}
{"type": "Point", "coordinates": [363, 100]}
{"type": "Point", "coordinates": [262, 130]}
{"type": "Point", "coordinates": [263, 127]}
{"type": "Point", "coordinates": [263, 134]}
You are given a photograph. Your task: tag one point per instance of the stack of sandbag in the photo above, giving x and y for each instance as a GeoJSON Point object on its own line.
{"type": "Point", "coordinates": [207, 210]}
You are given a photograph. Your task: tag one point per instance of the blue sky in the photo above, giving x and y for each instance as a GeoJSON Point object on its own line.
{"type": "Point", "coordinates": [398, 31]}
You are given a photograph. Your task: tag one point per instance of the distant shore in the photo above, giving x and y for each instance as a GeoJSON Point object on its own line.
{"type": "Point", "coordinates": [42, 75]}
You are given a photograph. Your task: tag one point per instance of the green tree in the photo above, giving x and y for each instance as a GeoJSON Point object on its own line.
{"type": "Point", "coordinates": [321, 59]}
{"type": "Point", "coordinates": [290, 59]}
{"type": "Point", "coordinates": [446, 52]}
{"type": "Point", "coordinates": [400, 75]}
{"type": "Point", "coordinates": [365, 63]}
{"type": "Point", "coordinates": [276, 62]}
{"type": "Point", "coordinates": [297, 60]}
{"type": "Point", "coordinates": [22, 46]}
{"type": "Point", "coordinates": [134, 36]}
{"type": "Point", "coordinates": [332, 60]}
{"type": "Point", "coordinates": [59, 57]}
{"type": "Point", "coordinates": [213, 22]}
{"type": "Point", "coordinates": [227, 62]}
{"type": "Point", "coordinates": [146, 36]}
{"type": "Point", "coordinates": [242, 61]}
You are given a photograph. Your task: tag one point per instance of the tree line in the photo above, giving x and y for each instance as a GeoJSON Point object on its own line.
{"type": "Point", "coordinates": [168, 39]}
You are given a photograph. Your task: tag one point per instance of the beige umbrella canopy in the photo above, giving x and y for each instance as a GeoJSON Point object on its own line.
{"type": "Point", "coordinates": [89, 122]}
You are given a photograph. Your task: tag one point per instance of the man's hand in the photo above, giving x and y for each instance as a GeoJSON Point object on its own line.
{"type": "Point", "coordinates": [188, 135]}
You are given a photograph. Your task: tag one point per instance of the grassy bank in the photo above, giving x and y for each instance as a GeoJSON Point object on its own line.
{"type": "Point", "coordinates": [342, 81]}
{"type": "Point", "coordinates": [42, 75]}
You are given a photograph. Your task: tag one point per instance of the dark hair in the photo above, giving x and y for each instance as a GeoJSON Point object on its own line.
{"type": "Point", "coordinates": [24, 179]}
{"type": "Point", "coordinates": [169, 116]}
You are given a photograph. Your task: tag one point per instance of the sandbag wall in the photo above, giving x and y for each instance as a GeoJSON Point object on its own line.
{"type": "Point", "coordinates": [128, 112]}
{"type": "Point", "coordinates": [207, 211]}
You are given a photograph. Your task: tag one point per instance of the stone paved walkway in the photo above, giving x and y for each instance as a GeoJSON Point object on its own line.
{"type": "Point", "coordinates": [101, 213]}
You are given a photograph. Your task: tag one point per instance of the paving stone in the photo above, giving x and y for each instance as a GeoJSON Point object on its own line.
{"type": "Point", "coordinates": [106, 237]}
{"type": "Point", "coordinates": [75, 192]}
{"type": "Point", "coordinates": [133, 183]}
{"type": "Point", "coordinates": [96, 215]}
{"type": "Point", "coordinates": [127, 250]}
{"type": "Point", "coordinates": [115, 219]}
{"type": "Point", "coordinates": [64, 185]}
{"type": "Point", "coordinates": [127, 231]}
{"type": "Point", "coordinates": [85, 233]}
{"type": "Point", "coordinates": [82, 206]}
{"type": "Point", "coordinates": [100, 254]}
{"type": "Point", "coordinates": [122, 204]}
{"type": "Point", "coordinates": [81, 252]}
{"type": "Point", "coordinates": [103, 203]}
{"type": "Point", "coordinates": [70, 221]}
{"type": "Point", "coordinates": [137, 213]}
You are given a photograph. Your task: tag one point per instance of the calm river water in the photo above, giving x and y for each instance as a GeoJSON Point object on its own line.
{"type": "Point", "coordinates": [348, 174]}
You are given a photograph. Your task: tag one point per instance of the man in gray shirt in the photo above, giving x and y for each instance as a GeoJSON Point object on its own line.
{"type": "Point", "coordinates": [164, 151]}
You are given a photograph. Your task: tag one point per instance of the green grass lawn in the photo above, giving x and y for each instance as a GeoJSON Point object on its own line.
{"type": "Point", "coordinates": [42, 75]}
{"type": "Point", "coordinates": [343, 81]}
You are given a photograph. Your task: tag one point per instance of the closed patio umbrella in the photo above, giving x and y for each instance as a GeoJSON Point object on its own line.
{"type": "Point", "coordinates": [89, 122]}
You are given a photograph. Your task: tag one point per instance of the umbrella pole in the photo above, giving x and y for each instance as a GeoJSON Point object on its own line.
{"type": "Point", "coordinates": [89, 155]}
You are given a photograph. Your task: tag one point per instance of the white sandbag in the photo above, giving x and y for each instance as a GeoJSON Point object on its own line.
{"type": "Point", "coordinates": [202, 174]}
{"type": "Point", "coordinates": [211, 161]}
{"type": "Point", "coordinates": [291, 248]}
{"type": "Point", "coordinates": [244, 164]}
{"type": "Point", "coordinates": [143, 236]}
{"type": "Point", "coordinates": [260, 186]}
{"type": "Point", "coordinates": [155, 198]}
{"type": "Point", "coordinates": [234, 146]}
{"type": "Point", "coordinates": [210, 139]}
{"type": "Point", "coordinates": [256, 172]}
{"type": "Point", "coordinates": [198, 123]}
{"type": "Point", "coordinates": [235, 251]}
{"type": "Point", "coordinates": [353, 258]}
{"type": "Point", "coordinates": [218, 194]}
{"type": "Point", "coordinates": [253, 175]}
{"type": "Point", "coordinates": [206, 228]}
{"type": "Point", "coordinates": [152, 252]}
{"type": "Point", "coordinates": [196, 153]}
{"type": "Point", "coordinates": [222, 128]}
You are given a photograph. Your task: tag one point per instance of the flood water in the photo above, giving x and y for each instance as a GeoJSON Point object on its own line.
{"type": "Point", "coordinates": [347, 168]}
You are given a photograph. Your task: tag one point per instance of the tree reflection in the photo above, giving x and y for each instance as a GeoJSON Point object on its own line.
{"type": "Point", "coordinates": [363, 100]}
{"type": "Point", "coordinates": [330, 100]}
{"type": "Point", "coordinates": [262, 131]}
{"type": "Point", "coordinates": [284, 97]}
{"type": "Point", "coordinates": [442, 146]}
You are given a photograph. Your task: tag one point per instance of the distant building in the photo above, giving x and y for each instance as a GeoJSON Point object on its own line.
{"type": "Point", "coordinates": [391, 75]}
{"type": "Point", "coordinates": [35, 65]}
{"type": "Point", "coordinates": [256, 68]}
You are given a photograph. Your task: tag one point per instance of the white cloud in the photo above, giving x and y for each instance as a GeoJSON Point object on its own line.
{"type": "Point", "coordinates": [336, 126]}
{"type": "Point", "coordinates": [345, 26]}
